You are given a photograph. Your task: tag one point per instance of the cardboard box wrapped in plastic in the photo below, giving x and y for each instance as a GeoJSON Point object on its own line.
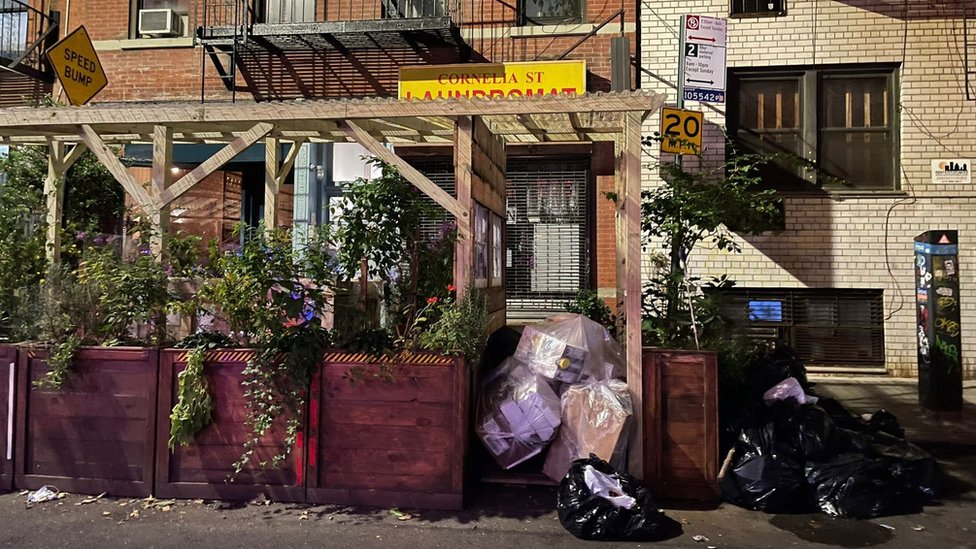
{"type": "Point", "coordinates": [595, 420]}
{"type": "Point", "coordinates": [569, 348]}
{"type": "Point", "coordinates": [518, 415]}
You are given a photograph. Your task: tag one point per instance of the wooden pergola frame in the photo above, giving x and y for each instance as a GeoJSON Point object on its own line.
{"type": "Point", "coordinates": [478, 130]}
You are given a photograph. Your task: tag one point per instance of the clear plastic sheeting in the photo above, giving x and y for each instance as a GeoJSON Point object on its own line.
{"type": "Point", "coordinates": [594, 421]}
{"type": "Point", "coordinates": [518, 415]}
{"type": "Point", "coordinates": [570, 348]}
{"type": "Point", "coordinates": [789, 388]}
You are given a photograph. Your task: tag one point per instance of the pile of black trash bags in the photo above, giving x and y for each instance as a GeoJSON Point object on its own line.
{"type": "Point", "coordinates": [796, 453]}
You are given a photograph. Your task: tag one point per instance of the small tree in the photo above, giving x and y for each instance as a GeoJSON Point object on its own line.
{"type": "Point", "coordinates": [690, 207]}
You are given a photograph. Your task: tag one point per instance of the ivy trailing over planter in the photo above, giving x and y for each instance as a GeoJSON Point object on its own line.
{"type": "Point", "coordinates": [194, 406]}
{"type": "Point", "coordinates": [273, 296]}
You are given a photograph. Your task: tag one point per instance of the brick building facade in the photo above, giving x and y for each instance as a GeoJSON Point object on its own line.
{"type": "Point", "coordinates": [873, 92]}
{"type": "Point", "coordinates": [328, 49]}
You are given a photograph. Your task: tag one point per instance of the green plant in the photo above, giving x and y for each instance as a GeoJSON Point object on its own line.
{"type": "Point", "coordinates": [194, 405]}
{"type": "Point", "coordinates": [380, 236]}
{"type": "Point", "coordinates": [690, 207]}
{"type": "Point", "coordinates": [273, 296]}
{"type": "Point", "coordinates": [592, 306]}
{"type": "Point", "coordinates": [461, 326]}
{"type": "Point", "coordinates": [59, 363]}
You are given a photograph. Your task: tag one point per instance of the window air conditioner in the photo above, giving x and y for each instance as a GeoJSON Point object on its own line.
{"type": "Point", "coordinates": [160, 22]}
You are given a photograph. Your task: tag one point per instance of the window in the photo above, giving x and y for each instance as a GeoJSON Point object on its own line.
{"type": "Point", "coordinates": [551, 12]}
{"type": "Point", "coordinates": [757, 8]}
{"type": "Point", "coordinates": [159, 18]}
{"type": "Point", "coordinates": [841, 121]}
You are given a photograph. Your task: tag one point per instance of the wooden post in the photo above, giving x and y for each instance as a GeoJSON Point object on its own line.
{"type": "Point", "coordinates": [54, 192]}
{"type": "Point", "coordinates": [464, 247]}
{"type": "Point", "coordinates": [271, 182]}
{"type": "Point", "coordinates": [628, 175]}
{"type": "Point", "coordinates": [58, 163]}
{"type": "Point", "coordinates": [162, 178]}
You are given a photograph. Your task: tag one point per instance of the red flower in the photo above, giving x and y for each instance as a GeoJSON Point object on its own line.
{"type": "Point", "coordinates": [451, 288]}
{"type": "Point", "coordinates": [431, 300]}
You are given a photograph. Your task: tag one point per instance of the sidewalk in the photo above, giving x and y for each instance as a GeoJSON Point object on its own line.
{"type": "Point", "coordinates": [502, 517]}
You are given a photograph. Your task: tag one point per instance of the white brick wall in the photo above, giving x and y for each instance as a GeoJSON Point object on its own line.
{"type": "Point", "coordinates": [848, 242]}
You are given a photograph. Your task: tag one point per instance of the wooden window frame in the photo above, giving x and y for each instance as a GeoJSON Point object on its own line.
{"type": "Point", "coordinates": [812, 119]}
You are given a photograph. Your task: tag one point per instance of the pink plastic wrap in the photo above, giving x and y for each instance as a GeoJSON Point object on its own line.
{"type": "Point", "coordinates": [570, 348]}
{"type": "Point", "coordinates": [595, 419]}
{"type": "Point", "coordinates": [518, 415]}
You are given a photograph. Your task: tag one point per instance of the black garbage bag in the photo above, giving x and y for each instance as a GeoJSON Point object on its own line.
{"type": "Point", "coordinates": [774, 444]}
{"type": "Point", "coordinates": [881, 421]}
{"type": "Point", "coordinates": [593, 517]}
{"type": "Point", "coordinates": [917, 467]}
{"type": "Point", "coordinates": [764, 483]}
{"type": "Point", "coordinates": [856, 486]}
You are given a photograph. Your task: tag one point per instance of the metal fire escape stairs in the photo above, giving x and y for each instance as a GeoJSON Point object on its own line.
{"type": "Point", "coordinates": [223, 50]}
{"type": "Point", "coordinates": [969, 47]}
{"type": "Point", "coordinates": [25, 34]}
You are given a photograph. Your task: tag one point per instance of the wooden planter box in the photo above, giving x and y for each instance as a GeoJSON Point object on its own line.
{"type": "Point", "coordinates": [204, 468]}
{"type": "Point", "coordinates": [399, 442]}
{"type": "Point", "coordinates": [97, 433]}
{"type": "Point", "coordinates": [681, 425]}
{"type": "Point", "coordinates": [8, 368]}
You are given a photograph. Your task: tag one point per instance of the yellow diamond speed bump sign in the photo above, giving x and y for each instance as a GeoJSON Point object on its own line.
{"type": "Point", "coordinates": [77, 66]}
{"type": "Point", "coordinates": [681, 131]}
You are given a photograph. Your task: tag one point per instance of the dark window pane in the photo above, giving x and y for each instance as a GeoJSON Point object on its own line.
{"type": "Point", "coordinates": [860, 159]}
{"type": "Point", "coordinates": [538, 11]}
{"type": "Point", "coordinates": [758, 7]}
{"type": "Point", "coordinates": [769, 104]}
{"type": "Point", "coordinates": [856, 102]}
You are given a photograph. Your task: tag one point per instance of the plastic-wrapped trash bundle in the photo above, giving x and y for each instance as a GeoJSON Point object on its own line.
{"type": "Point", "coordinates": [594, 421]}
{"type": "Point", "coordinates": [569, 348]}
{"type": "Point", "coordinates": [518, 415]}
{"type": "Point", "coordinates": [596, 502]}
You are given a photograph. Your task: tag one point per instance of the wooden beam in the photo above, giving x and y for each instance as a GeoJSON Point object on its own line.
{"type": "Point", "coordinates": [289, 162]}
{"type": "Point", "coordinates": [439, 195]}
{"type": "Point", "coordinates": [214, 163]}
{"type": "Point", "coordinates": [111, 162]}
{"type": "Point", "coordinates": [71, 157]}
{"type": "Point", "coordinates": [464, 247]}
{"type": "Point", "coordinates": [271, 186]}
{"type": "Point", "coordinates": [628, 174]}
{"type": "Point", "coordinates": [12, 120]}
{"type": "Point", "coordinates": [162, 178]}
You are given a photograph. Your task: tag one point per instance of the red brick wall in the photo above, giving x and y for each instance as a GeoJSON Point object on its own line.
{"type": "Point", "coordinates": [168, 74]}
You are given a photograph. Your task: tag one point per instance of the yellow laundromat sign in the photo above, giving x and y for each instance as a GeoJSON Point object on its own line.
{"type": "Point", "coordinates": [493, 80]}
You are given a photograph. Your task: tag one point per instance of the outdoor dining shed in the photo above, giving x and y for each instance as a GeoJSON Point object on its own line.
{"type": "Point", "coordinates": [478, 129]}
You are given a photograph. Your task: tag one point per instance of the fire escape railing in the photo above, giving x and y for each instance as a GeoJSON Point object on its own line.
{"type": "Point", "coordinates": [227, 13]}
{"type": "Point", "coordinates": [26, 31]}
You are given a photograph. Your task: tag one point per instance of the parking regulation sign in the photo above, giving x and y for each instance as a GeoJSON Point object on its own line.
{"type": "Point", "coordinates": [703, 51]}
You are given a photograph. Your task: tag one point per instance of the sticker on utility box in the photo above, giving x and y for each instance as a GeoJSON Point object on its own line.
{"type": "Point", "coordinates": [77, 66]}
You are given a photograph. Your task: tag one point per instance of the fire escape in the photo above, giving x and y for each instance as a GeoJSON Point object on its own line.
{"type": "Point", "coordinates": [27, 29]}
{"type": "Point", "coordinates": [232, 27]}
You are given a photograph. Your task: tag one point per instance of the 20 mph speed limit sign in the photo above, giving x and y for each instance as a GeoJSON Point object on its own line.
{"type": "Point", "coordinates": [681, 131]}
